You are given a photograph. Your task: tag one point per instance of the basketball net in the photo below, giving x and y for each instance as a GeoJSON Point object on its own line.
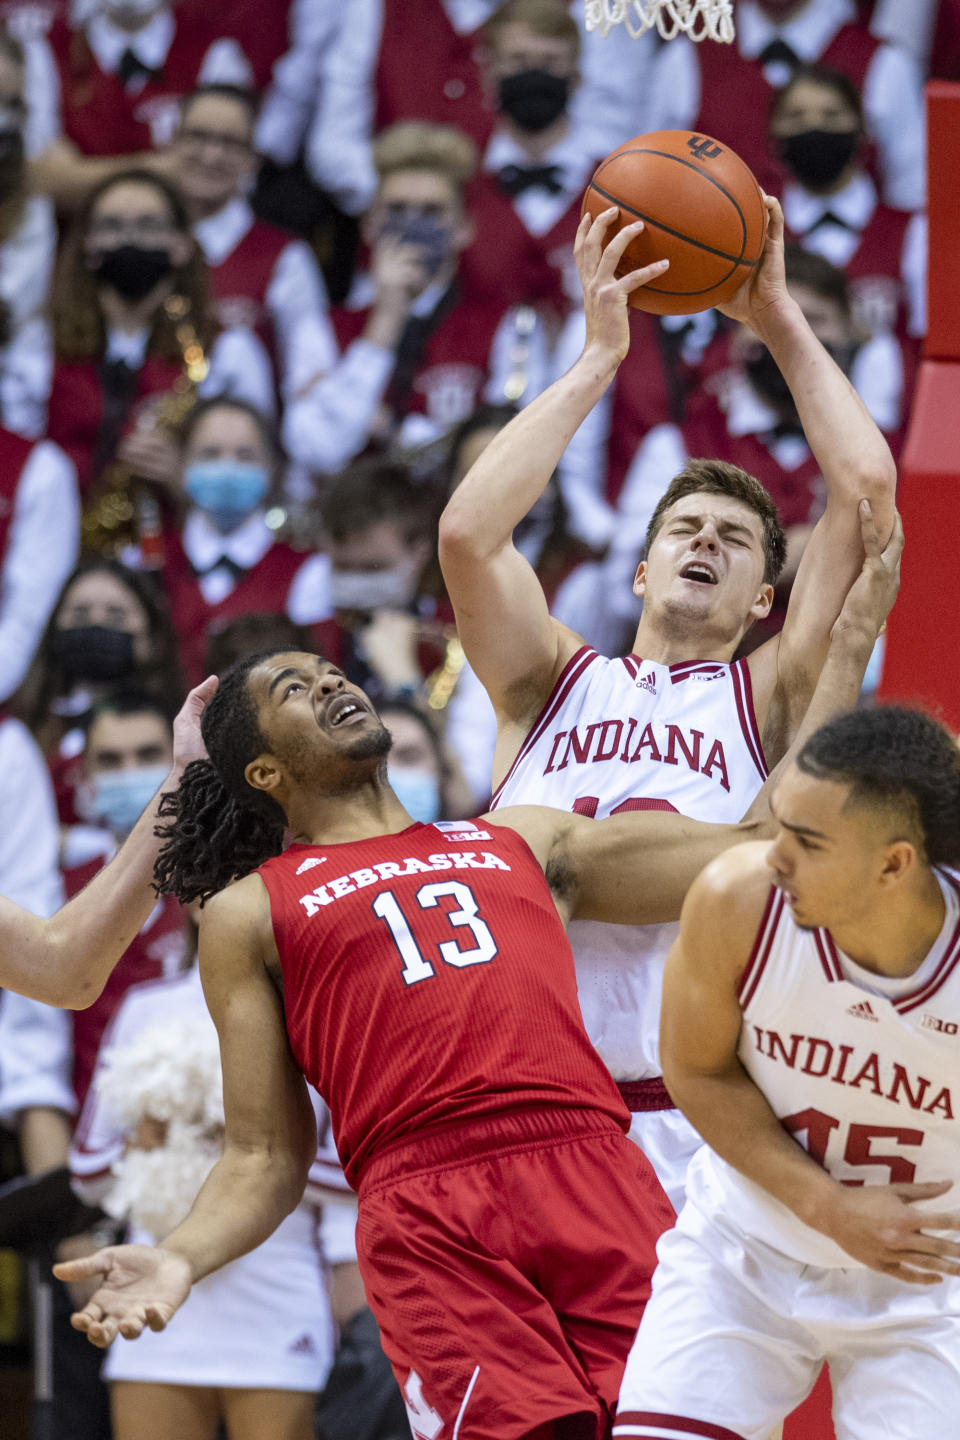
{"type": "Point", "coordinates": [700, 19]}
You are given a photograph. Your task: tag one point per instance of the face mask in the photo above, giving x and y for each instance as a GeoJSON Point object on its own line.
{"type": "Point", "coordinates": [371, 589]}
{"type": "Point", "coordinates": [766, 379]}
{"type": "Point", "coordinates": [228, 490]}
{"type": "Point", "coordinates": [819, 157]}
{"type": "Point", "coordinates": [92, 653]}
{"type": "Point", "coordinates": [418, 792]}
{"type": "Point", "coordinates": [534, 98]}
{"type": "Point", "coordinates": [120, 798]}
{"type": "Point", "coordinates": [133, 270]}
{"type": "Point", "coordinates": [431, 236]}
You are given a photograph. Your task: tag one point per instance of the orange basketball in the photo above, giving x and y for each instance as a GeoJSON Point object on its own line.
{"type": "Point", "coordinates": [702, 210]}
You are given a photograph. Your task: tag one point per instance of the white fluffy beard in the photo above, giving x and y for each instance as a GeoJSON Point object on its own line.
{"type": "Point", "coordinates": [154, 1189]}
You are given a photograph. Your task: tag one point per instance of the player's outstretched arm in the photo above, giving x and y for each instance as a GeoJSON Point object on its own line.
{"type": "Point", "coordinates": [636, 867]}
{"type": "Point", "coordinates": [270, 1137]}
{"type": "Point", "coordinates": [880, 1226]}
{"type": "Point", "coordinates": [502, 616]}
{"type": "Point", "coordinates": [856, 464]}
{"type": "Point", "coordinates": [65, 959]}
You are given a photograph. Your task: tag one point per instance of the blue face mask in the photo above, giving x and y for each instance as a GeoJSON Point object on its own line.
{"type": "Point", "coordinates": [418, 792]}
{"type": "Point", "coordinates": [228, 490]}
{"type": "Point", "coordinates": [119, 798]}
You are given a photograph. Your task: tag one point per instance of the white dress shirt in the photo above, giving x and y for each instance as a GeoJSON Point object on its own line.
{"type": "Point", "coordinates": [298, 78]}
{"type": "Point", "coordinates": [42, 546]}
{"type": "Point", "coordinates": [892, 90]}
{"type": "Point", "coordinates": [296, 296]}
{"type": "Point", "coordinates": [34, 1038]}
{"type": "Point", "coordinates": [308, 600]}
{"type": "Point", "coordinates": [239, 365]}
{"type": "Point", "coordinates": [538, 208]}
{"type": "Point", "coordinates": [330, 423]}
{"type": "Point", "coordinates": [854, 205]}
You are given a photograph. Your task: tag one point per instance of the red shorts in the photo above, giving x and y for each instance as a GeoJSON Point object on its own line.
{"type": "Point", "coordinates": [508, 1265]}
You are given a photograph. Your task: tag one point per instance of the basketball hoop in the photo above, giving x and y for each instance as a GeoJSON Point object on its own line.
{"type": "Point", "coordinates": [699, 19]}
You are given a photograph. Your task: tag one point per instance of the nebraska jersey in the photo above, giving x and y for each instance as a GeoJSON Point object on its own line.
{"type": "Point", "coordinates": [859, 1067]}
{"type": "Point", "coordinates": [427, 982]}
{"type": "Point", "coordinates": [628, 734]}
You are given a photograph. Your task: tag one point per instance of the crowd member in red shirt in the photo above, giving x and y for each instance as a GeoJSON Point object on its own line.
{"type": "Point", "coordinates": [421, 344]}
{"type": "Point", "coordinates": [506, 1226]}
{"type": "Point", "coordinates": [130, 279]}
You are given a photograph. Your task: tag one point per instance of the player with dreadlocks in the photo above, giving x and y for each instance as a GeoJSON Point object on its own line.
{"type": "Point", "coordinates": [419, 976]}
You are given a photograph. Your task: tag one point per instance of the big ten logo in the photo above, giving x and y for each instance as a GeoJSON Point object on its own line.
{"type": "Point", "coordinates": [944, 1027]}
{"type": "Point", "coordinates": [451, 392]}
{"type": "Point", "coordinates": [703, 148]}
{"type": "Point", "coordinates": [875, 300]}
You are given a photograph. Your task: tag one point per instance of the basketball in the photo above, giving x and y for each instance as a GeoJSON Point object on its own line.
{"type": "Point", "coordinates": [702, 210]}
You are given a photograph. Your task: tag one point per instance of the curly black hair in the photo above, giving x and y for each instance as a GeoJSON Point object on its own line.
{"type": "Point", "coordinates": [221, 828]}
{"type": "Point", "coordinates": [897, 759]}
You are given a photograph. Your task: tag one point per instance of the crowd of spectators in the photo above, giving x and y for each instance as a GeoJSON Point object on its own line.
{"type": "Point", "coordinates": [271, 276]}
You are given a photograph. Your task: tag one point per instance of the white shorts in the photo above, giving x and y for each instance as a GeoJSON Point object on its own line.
{"type": "Point", "coordinates": [735, 1333]}
{"type": "Point", "coordinates": [263, 1322]}
{"type": "Point", "coordinates": [669, 1142]}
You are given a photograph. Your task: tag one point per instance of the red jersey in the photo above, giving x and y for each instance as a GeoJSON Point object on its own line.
{"type": "Point", "coordinates": [428, 982]}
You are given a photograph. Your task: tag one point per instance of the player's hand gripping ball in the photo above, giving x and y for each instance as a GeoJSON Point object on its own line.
{"type": "Point", "coordinates": [702, 210]}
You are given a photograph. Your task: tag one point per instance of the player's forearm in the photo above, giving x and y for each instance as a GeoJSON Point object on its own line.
{"type": "Point", "coordinates": [853, 455]}
{"type": "Point", "coordinates": [735, 1120]}
{"type": "Point", "coordinates": [515, 468]}
{"type": "Point", "coordinates": [69, 957]}
{"type": "Point", "coordinates": [242, 1201]}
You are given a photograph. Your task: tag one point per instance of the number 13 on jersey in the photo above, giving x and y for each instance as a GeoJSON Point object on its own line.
{"type": "Point", "coordinates": [416, 966]}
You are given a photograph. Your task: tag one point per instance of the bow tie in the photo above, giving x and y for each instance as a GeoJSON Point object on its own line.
{"type": "Point", "coordinates": [829, 218]}
{"type": "Point", "coordinates": [131, 67]}
{"type": "Point", "coordinates": [515, 179]}
{"type": "Point", "coordinates": [223, 562]}
{"type": "Point", "coordinates": [779, 51]}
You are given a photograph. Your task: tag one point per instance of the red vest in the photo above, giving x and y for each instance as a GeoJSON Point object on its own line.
{"type": "Point", "coordinates": [408, 1019]}
{"type": "Point", "coordinates": [99, 115]}
{"type": "Point", "coordinates": [265, 587]}
{"type": "Point", "coordinates": [797, 494]}
{"type": "Point", "coordinates": [426, 71]}
{"type": "Point", "coordinates": [262, 31]}
{"type": "Point", "coordinates": [240, 282]}
{"type": "Point", "coordinates": [641, 398]}
{"type": "Point", "coordinates": [508, 262]}
{"type": "Point", "coordinates": [76, 406]}
{"type": "Point", "coordinates": [735, 97]}
{"type": "Point", "coordinates": [448, 383]}
{"type": "Point", "coordinates": [14, 454]}
{"type": "Point", "coordinates": [159, 949]}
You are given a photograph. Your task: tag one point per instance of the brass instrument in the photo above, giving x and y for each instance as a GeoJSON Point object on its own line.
{"type": "Point", "coordinates": [123, 511]}
{"type": "Point", "coordinates": [440, 684]}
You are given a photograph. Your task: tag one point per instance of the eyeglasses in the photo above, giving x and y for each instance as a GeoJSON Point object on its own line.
{"type": "Point", "coordinates": [140, 227]}
{"type": "Point", "coordinates": [231, 143]}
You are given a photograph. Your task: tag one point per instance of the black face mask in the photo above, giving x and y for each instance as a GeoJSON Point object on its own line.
{"type": "Point", "coordinates": [133, 270]}
{"type": "Point", "coordinates": [534, 98]}
{"type": "Point", "coordinates": [819, 157]}
{"type": "Point", "coordinates": [93, 653]}
{"type": "Point", "coordinates": [765, 377]}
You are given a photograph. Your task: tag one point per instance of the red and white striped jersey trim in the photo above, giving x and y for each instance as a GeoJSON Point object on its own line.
{"type": "Point", "coordinates": [576, 666]}
{"type": "Point", "coordinates": [762, 945]}
{"type": "Point", "coordinates": [651, 1425]}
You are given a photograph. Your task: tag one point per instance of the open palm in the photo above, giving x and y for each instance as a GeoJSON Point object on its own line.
{"type": "Point", "coordinates": [141, 1288]}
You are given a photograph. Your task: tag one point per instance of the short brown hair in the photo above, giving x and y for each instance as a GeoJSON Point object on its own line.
{"type": "Point", "coordinates": [370, 491]}
{"type": "Point", "coordinates": [548, 18]}
{"type": "Point", "coordinates": [419, 145]}
{"type": "Point", "coordinates": [718, 477]}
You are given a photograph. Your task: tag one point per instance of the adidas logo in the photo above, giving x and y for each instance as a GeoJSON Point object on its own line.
{"type": "Point", "coordinates": [648, 682]}
{"type": "Point", "coordinates": [862, 1010]}
{"type": "Point", "coordinates": [304, 1345]}
{"type": "Point", "coordinates": [309, 863]}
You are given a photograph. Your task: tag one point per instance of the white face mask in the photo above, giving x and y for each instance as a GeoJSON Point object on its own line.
{"type": "Point", "coordinates": [372, 589]}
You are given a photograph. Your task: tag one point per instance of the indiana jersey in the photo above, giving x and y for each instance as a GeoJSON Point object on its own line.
{"type": "Point", "coordinates": [862, 1069]}
{"type": "Point", "coordinates": [628, 734]}
{"type": "Point", "coordinates": [427, 982]}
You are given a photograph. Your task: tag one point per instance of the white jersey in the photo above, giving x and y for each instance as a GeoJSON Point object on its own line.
{"type": "Point", "coordinates": [631, 734]}
{"type": "Point", "coordinates": [860, 1068]}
